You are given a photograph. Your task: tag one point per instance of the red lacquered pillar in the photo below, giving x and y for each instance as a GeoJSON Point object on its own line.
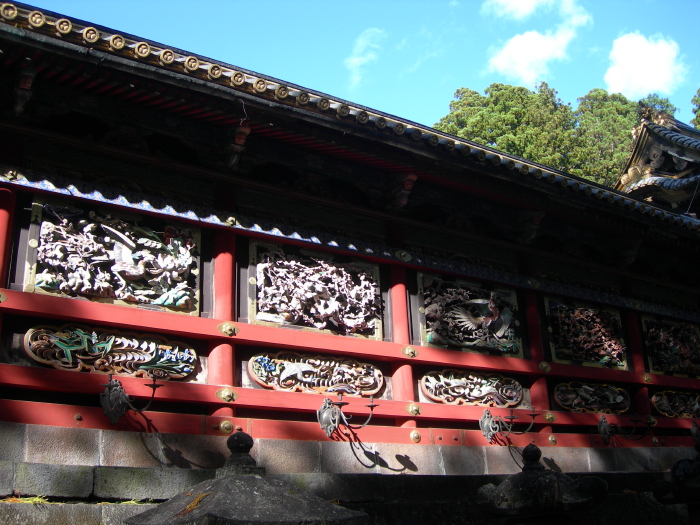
{"type": "Point", "coordinates": [539, 393]}
{"type": "Point", "coordinates": [7, 210]}
{"type": "Point", "coordinates": [401, 373]}
{"type": "Point", "coordinates": [635, 353]}
{"type": "Point", "coordinates": [222, 355]}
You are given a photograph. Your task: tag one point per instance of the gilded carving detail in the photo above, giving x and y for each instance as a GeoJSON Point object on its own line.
{"type": "Point", "coordinates": [84, 253]}
{"type": "Point", "coordinates": [672, 347]}
{"type": "Point", "coordinates": [671, 403]}
{"type": "Point", "coordinates": [316, 291]}
{"type": "Point", "coordinates": [293, 372]}
{"type": "Point", "coordinates": [461, 387]}
{"type": "Point", "coordinates": [78, 348]}
{"type": "Point", "coordinates": [582, 334]}
{"type": "Point", "coordinates": [470, 317]}
{"type": "Point", "coordinates": [592, 398]}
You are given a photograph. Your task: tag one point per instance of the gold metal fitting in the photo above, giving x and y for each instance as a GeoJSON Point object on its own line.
{"type": "Point", "coordinates": [413, 409]}
{"type": "Point", "coordinates": [544, 366]}
{"type": "Point", "coordinates": [226, 426]}
{"type": "Point", "coordinates": [409, 351]}
{"type": "Point", "coordinates": [553, 440]}
{"type": "Point", "coordinates": [227, 394]}
{"type": "Point", "coordinates": [646, 378]}
{"type": "Point", "coordinates": [415, 436]}
{"type": "Point", "coordinates": [549, 417]}
{"type": "Point", "coordinates": [228, 328]}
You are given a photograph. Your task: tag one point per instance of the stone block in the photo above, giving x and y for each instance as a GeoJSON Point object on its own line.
{"type": "Point", "coordinates": [632, 459]}
{"type": "Point", "coordinates": [54, 514]}
{"type": "Point", "coordinates": [462, 461]}
{"type": "Point", "coordinates": [146, 483]}
{"type": "Point", "coordinates": [281, 455]}
{"type": "Point", "coordinates": [118, 513]}
{"type": "Point", "coordinates": [12, 441]}
{"type": "Point", "coordinates": [502, 460]}
{"type": "Point", "coordinates": [663, 458]}
{"type": "Point", "coordinates": [409, 459]}
{"type": "Point", "coordinates": [63, 446]}
{"type": "Point", "coordinates": [130, 449]}
{"type": "Point", "coordinates": [190, 451]}
{"type": "Point", "coordinates": [566, 459]}
{"type": "Point", "coordinates": [7, 475]}
{"type": "Point", "coordinates": [44, 479]}
{"type": "Point", "coordinates": [342, 457]}
{"type": "Point", "coordinates": [602, 460]}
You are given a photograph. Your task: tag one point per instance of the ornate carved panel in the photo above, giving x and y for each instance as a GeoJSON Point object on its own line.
{"type": "Point", "coordinates": [462, 387]}
{"type": "Point", "coordinates": [671, 403]}
{"type": "Point", "coordinates": [83, 252]}
{"type": "Point", "coordinates": [97, 350]}
{"type": "Point", "coordinates": [317, 291]}
{"type": "Point", "coordinates": [672, 347]}
{"type": "Point", "coordinates": [585, 335]}
{"type": "Point", "coordinates": [293, 372]}
{"type": "Point", "coordinates": [592, 398]}
{"type": "Point", "coordinates": [469, 316]}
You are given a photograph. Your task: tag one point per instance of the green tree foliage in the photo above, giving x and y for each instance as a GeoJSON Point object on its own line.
{"type": "Point", "coordinates": [593, 142]}
{"type": "Point", "coordinates": [603, 138]}
{"type": "Point", "coordinates": [696, 110]}
{"type": "Point", "coordinates": [531, 124]}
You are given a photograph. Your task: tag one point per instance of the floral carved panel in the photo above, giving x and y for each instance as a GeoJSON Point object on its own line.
{"type": "Point", "coordinates": [672, 347]}
{"type": "Point", "coordinates": [95, 350]}
{"type": "Point", "coordinates": [469, 316]}
{"type": "Point", "coordinates": [316, 291]}
{"type": "Point", "coordinates": [671, 403]}
{"type": "Point", "coordinates": [86, 253]}
{"type": "Point", "coordinates": [293, 372]}
{"type": "Point", "coordinates": [593, 398]}
{"type": "Point", "coordinates": [462, 387]}
{"type": "Point", "coordinates": [585, 335]}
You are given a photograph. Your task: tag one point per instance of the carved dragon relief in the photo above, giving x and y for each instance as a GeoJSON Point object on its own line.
{"type": "Point", "coordinates": [582, 334]}
{"type": "Point", "coordinates": [470, 316]}
{"type": "Point", "coordinates": [95, 350]}
{"type": "Point", "coordinates": [316, 291]}
{"type": "Point", "coordinates": [101, 256]}
{"type": "Point", "coordinates": [462, 387]}
{"type": "Point", "coordinates": [671, 403]}
{"type": "Point", "coordinates": [672, 347]}
{"type": "Point", "coordinates": [293, 372]}
{"type": "Point", "coordinates": [592, 398]}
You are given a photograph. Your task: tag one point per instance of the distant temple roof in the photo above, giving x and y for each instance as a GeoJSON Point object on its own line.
{"type": "Point", "coordinates": [664, 168]}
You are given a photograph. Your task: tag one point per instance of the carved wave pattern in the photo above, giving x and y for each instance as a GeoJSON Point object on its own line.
{"type": "Point", "coordinates": [586, 335]}
{"type": "Point", "coordinates": [592, 398]}
{"type": "Point", "coordinates": [673, 348]}
{"type": "Point", "coordinates": [460, 387]}
{"type": "Point", "coordinates": [309, 291]}
{"type": "Point", "coordinates": [671, 403]}
{"type": "Point", "coordinates": [76, 348]}
{"type": "Point", "coordinates": [467, 316]}
{"type": "Point", "coordinates": [293, 372]}
{"type": "Point", "coordinates": [83, 253]}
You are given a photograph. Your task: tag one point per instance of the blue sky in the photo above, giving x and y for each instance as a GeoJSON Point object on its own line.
{"type": "Point", "coordinates": [408, 57]}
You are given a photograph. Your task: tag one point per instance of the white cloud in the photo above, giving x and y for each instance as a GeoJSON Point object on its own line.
{"type": "Point", "coordinates": [364, 52]}
{"type": "Point", "coordinates": [517, 9]}
{"type": "Point", "coordinates": [641, 65]}
{"type": "Point", "coordinates": [526, 57]}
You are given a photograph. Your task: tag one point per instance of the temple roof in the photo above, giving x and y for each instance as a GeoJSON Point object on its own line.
{"type": "Point", "coordinates": [170, 129]}
{"type": "Point", "coordinates": [664, 168]}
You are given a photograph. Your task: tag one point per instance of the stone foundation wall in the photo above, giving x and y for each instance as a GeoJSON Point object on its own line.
{"type": "Point", "coordinates": [22, 443]}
